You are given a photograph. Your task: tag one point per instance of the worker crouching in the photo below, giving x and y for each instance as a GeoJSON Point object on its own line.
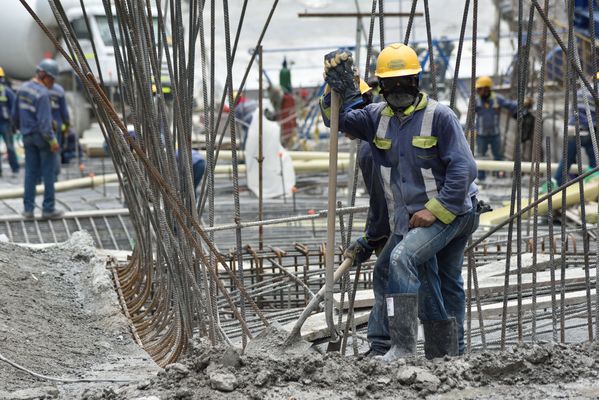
{"type": "Point", "coordinates": [434, 199]}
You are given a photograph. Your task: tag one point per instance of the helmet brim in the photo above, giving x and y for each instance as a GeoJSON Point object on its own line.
{"type": "Point", "coordinates": [396, 73]}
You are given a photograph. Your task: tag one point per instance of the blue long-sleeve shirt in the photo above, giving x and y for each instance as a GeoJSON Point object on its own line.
{"type": "Point", "coordinates": [488, 112]}
{"type": "Point", "coordinates": [60, 112]}
{"type": "Point", "coordinates": [32, 112]}
{"type": "Point", "coordinates": [431, 167]}
{"type": "Point", "coordinates": [7, 100]}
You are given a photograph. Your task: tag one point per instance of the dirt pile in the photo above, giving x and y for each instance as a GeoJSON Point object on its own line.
{"type": "Point", "coordinates": [59, 316]}
{"type": "Point", "coordinates": [222, 373]}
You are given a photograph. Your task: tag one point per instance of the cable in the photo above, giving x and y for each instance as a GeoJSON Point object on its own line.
{"type": "Point", "coordinates": [54, 379]}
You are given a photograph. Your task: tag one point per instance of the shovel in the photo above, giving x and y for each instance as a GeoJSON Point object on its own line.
{"type": "Point", "coordinates": [335, 343]}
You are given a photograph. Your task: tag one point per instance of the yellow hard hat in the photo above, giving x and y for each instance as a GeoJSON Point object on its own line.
{"type": "Point", "coordinates": [2, 72]}
{"type": "Point", "coordinates": [397, 60]}
{"type": "Point", "coordinates": [364, 88]}
{"type": "Point", "coordinates": [484, 81]}
{"type": "Point", "coordinates": [596, 75]}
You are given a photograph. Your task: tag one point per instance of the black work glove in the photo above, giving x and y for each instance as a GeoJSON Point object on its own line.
{"type": "Point", "coordinates": [340, 75]}
{"type": "Point", "coordinates": [361, 249]}
{"type": "Point", "coordinates": [482, 207]}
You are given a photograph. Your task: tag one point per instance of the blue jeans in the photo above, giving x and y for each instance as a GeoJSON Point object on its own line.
{"type": "Point", "coordinates": [378, 324]}
{"type": "Point", "coordinates": [39, 161]}
{"type": "Point", "coordinates": [586, 144]}
{"type": "Point", "coordinates": [436, 253]}
{"type": "Point", "coordinates": [482, 145]}
{"type": "Point", "coordinates": [6, 132]}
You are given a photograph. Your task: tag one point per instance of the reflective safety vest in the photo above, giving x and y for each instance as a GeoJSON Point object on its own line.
{"type": "Point", "coordinates": [425, 140]}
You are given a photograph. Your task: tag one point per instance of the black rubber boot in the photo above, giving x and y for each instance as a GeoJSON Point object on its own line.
{"type": "Point", "coordinates": [402, 311]}
{"type": "Point", "coordinates": [372, 352]}
{"type": "Point", "coordinates": [440, 338]}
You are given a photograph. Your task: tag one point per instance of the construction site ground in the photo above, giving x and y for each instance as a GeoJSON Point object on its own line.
{"type": "Point", "coordinates": [60, 317]}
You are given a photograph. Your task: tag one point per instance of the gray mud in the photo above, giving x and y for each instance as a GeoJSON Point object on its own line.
{"type": "Point", "coordinates": [527, 371]}
{"type": "Point", "coordinates": [59, 316]}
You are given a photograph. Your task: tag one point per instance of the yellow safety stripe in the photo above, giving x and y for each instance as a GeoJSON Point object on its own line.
{"type": "Point", "coordinates": [382, 143]}
{"type": "Point", "coordinates": [387, 111]}
{"type": "Point", "coordinates": [421, 104]}
{"type": "Point", "coordinates": [325, 109]}
{"type": "Point", "coordinates": [424, 142]}
{"type": "Point", "coordinates": [439, 211]}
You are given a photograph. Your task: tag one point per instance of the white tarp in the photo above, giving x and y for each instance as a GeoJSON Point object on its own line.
{"type": "Point", "coordinates": [276, 159]}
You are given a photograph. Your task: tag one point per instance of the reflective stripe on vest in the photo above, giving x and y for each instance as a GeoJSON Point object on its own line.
{"type": "Point", "coordinates": [430, 184]}
{"type": "Point", "coordinates": [386, 176]}
{"type": "Point", "coordinates": [380, 141]}
{"type": "Point", "coordinates": [3, 98]}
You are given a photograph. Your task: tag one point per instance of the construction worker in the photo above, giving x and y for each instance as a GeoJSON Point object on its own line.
{"type": "Point", "coordinates": [33, 115]}
{"type": "Point", "coordinates": [378, 226]}
{"type": "Point", "coordinates": [7, 100]}
{"type": "Point", "coordinates": [488, 108]}
{"type": "Point", "coordinates": [287, 112]}
{"type": "Point", "coordinates": [198, 166]}
{"type": "Point", "coordinates": [435, 208]}
{"type": "Point", "coordinates": [584, 128]}
{"type": "Point", "coordinates": [60, 117]}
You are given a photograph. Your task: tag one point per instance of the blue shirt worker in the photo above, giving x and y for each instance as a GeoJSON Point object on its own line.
{"type": "Point", "coordinates": [432, 172]}
{"type": "Point", "coordinates": [60, 116]}
{"type": "Point", "coordinates": [198, 166]}
{"type": "Point", "coordinates": [584, 129]}
{"type": "Point", "coordinates": [7, 100]}
{"type": "Point", "coordinates": [378, 226]}
{"type": "Point", "coordinates": [33, 115]}
{"type": "Point", "coordinates": [488, 110]}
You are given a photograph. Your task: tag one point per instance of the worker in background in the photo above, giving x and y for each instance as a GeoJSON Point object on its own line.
{"type": "Point", "coordinates": [488, 110]}
{"type": "Point", "coordinates": [7, 100]}
{"type": "Point", "coordinates": [287, 114]}
{"type": "Point", "coordinates": [71, 148]}
{"type": "Point", "coordinates": [435, 208]}
{"type": "Point", "coordinates": [584, 128]}
{"type": "Point", "coordinates": [32, 113]}
{"type": "Point", "coordinates": [198, 166]}
{"type": "Point", "coordinates": [61, 121]}
{"type": "Point", "coordinates": [528, 131]}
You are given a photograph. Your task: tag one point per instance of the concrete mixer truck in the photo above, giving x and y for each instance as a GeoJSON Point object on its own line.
{"type": "Point", "coordinates": [25, 44]}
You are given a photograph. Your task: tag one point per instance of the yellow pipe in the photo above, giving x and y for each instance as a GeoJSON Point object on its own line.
{"type": "Point", "coordinates": [63, 185]}
{"type": "Point", "coordinates": [591, 190]}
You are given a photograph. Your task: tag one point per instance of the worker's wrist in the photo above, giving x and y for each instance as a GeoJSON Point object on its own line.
{"type": "Point", "coordinates": [439, 211]}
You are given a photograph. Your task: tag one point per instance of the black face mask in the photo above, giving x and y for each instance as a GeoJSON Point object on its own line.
{"type": "Point", "coordinates": [401, 97]}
